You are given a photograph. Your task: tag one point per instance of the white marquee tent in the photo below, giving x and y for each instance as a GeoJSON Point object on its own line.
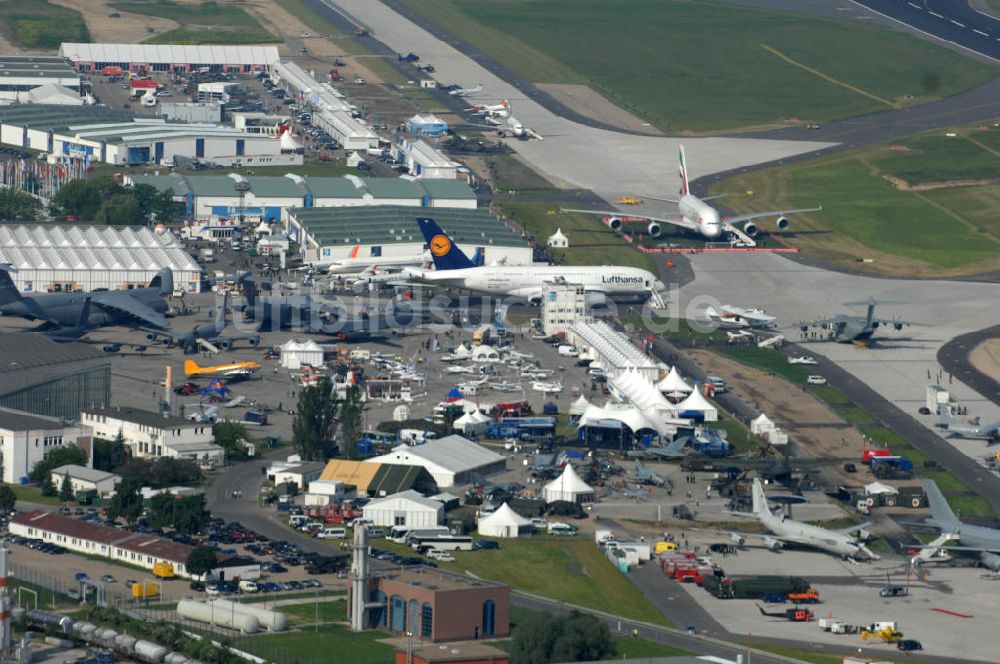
{"type": "Point", "coordinates": [568, 487]}
{"type": "Point", "coordinates": [673, 385]}
{"type": "Point", "coordinates": [696, 403]}
{"type": "Point", "coordinates": [761, 425]}
{"type": "Point", "coordinates": [505, 522]}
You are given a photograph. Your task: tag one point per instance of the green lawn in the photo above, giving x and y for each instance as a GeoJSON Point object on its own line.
{"type": "Point", "coordinates": [766, 360]}
{"type": "Point", "coordinates": [305, 614]}
{"type": "Point", "coordinates": [511, 174]}
{"type": "Point", "coordinates": [976, 205]}
{"type": "Point", "coordinates": [738, 435]}
{"type": "Point", "coordinates": [319, 25]}
{"type": "Point", "coordinates": [33, 494]}
{"type": "Point", "coordinates": [854, 415]}
{"type": "Point", "coordinates": [936, 158]}
{"type": "Point", "coordinates": [590, 241]}
{"type": "Point", "coordinates": [42, 24]}
{"type": "Point", "coordinates": [971, 506]}
{"type": "Point", "coordinates": [572, 570]}
{"type": "Point", "coordinates": [327, 643]}
{"type": "Point", "coordinates": [830, 395]}
{"type": "Point", "coordinates": [203, 23]}
{"type": "Point", "coordinates": [778, 65]}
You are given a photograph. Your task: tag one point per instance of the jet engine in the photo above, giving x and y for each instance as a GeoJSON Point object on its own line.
{"type": "Point", "coordinates": [772, 543]}
{"type": "Point", "coordinates": [782, 223]}
{"type": "Point", "coordinates": [254, 341]}
{"type": "Point", "coordinates": [224, 345]}
{"type": "Point", "coordinates": [990, 561]}
{"type": "Point", "coordinates": [615, 224]}
{"type": "Point", "coordinates": [751, 229]}
{"type": "Point", "coordinates": [596, 299]}
{"type": "Point", "coordinates": [653, 229]}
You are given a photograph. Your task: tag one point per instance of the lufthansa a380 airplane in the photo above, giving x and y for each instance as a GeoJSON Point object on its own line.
{"type": "Point", "coordinates": [453, 268]}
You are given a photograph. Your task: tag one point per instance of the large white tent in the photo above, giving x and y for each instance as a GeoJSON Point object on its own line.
{"type": "Point", "coordinates": [579, 407]}
{"type": "Point", "coordinates": [504, 522]}
{"type": "Point", "coordinates": [568, 487]}
{"type": "Point", "coordinates": [469, 424]}
{"type": "Point", "coordinates": [761, 425]}
{"type": "Point", "coordinates": [628, 414]}
{"type": "Point", "coordinates": [673, 386]}
{"type": "Point", "coordinates": [696, 403]}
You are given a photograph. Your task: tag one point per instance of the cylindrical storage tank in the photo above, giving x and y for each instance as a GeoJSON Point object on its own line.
{"type": "Point", "coordinates": [125, 643]}
{"type": "Point", "coordinates": [85, 629]}
{"type": "Point", "coordinates": [150, 651]}
{"type": "Point", "coordinates": [18, 613]}
{"type": "Point", "coordinates": [218, 614]}
{"type": "Point", "coordinates": [273, 621]}
{"type": "Point", "coordinates": [66, 624]}
{"type": "Point", "coordinates": [175, 658]}
{"type": "Point", "coordinates": [106, 635]}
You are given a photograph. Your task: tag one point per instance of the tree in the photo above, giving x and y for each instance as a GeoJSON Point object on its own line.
{"type": "Point", "coordinates": [577, 637]}
{"type": "Point", "coordinates": [110, 454]}
{"type": "Point", "coordinates": [18, 206]}
{"type": "Point", "coordinates": [230, 437]}
{"type": "Point", "coordinates": [201, 560]}
{"type": "Point", "coordinates": [60, 456]}
{"type": "Point", "coordinates": [160, 512]}
{"type": "Point", "coordinates": [351, 422]}
{"type": "Point", "coordinates": [315, 421]}
{"type": "Point", "coordinates": [127, 501]}
{"type": "Point", "coordinates": [83, 198]}
{"type": "Point", "coordinates": [161, 472]}
{"type": "Point", "coordinates": [190, 514]}
{"type": "Point", "coordinates": [154, 203]}
{"type": "Point", "coordinates": [49, 487]}
{"type": "Point", "coordinates": [119, 210]}
{"type": "Point", "coordinates": [7, 499]}
{"type": "Point", "coordinates": [66, 489]}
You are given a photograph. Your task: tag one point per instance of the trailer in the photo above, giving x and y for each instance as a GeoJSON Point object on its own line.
{"type": "Point", "coordinates": [754, 587]}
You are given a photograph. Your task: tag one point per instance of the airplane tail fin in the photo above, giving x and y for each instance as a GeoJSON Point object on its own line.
{"type": "Point", "coordinates": [8, 291]}
{"type": "Point", "coordinates": [164, 280]}
{"type": "Point", "coordinates": [84, 320]}
{"type": "Point", "coordinates": [354, 252]}
{"type": "Point", "coordinates": [759, 499]}
{"type": "Point", "coordinates": [191, 367]}
{"type": "Point", "coordinates": [446, 254]}
{"type": "Point", "coordinates": [249, 288]}
{"type": "Point", "coordinates": [944, 517]}
{"type": "Point", "coordinates": [685, 190]}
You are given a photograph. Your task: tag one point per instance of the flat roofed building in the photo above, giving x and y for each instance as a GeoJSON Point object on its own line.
{"type": "Point", "coordinates": [25, 439]}
{"type": "Point", "coordinates": [436, 607]}
{"type": "Point", "coordinates": [74, 258]}
{"type": "Point", "coordinates": [45, 377]}
{"type": "Point", "coordinates": [170, 57]}
{"type": "Point", "coordinates": [329, 234]}
{"type": "Point", "coordinates": [150, 434]}
{"type": "Point", "coordinates": [21, 74]}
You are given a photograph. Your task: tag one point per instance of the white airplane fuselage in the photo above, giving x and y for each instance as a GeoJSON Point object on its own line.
{"type": "Point", "coordinates": [527, 281]}
{"type": "Point", "coordinates": [354, 265]}
{"type": "Point", "coordinates": [703, 216]}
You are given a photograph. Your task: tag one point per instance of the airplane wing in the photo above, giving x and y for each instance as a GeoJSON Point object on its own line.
{"type": "Point", "coordinates": [772, 213]}
{"type": "Point", "coordinates": [853, 529]}
{"type": "Point", "coordinates": [124, 303]}
{"type": "Point", "coordinates": [638, 218]}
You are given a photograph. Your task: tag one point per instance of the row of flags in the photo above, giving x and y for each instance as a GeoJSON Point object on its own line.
{"type": "Point", "coordinates": [42, 178]}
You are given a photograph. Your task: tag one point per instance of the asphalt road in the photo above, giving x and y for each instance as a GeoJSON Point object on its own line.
{"type": "Point", "coordinates": [954, 357]}
{"type": "Point", "coordinates": [950, 20]}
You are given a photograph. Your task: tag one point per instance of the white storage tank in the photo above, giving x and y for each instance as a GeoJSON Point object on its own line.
{"type": "Point", "coordinates": [106, 635]}
{"type": "Point", "coordinates": [175, 658]}
{"type": "Point", "coordinates": [150, 651]}
{"type": "Point", "coordinates": [218, 613]}
{"type": "Point", "coordinates": [273, 621]}
{"type": "Point", "coordinates": [126, 643]}
{"type": "Point", "coordinates": [85, 629]}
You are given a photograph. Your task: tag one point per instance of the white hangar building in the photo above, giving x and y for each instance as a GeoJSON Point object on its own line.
{"type": "Point", "coordinates": [56, 258]}
{"type": "Point", "coordinates": [170, 57]}
{"type": "Point", "coordinates": [117, 137]}
{"type": "Point", "coordinates": [329, 234]}
{"type": "Point", "coordinates": [20, 75]}
{"type": "Point", "coordinates": [450, 460]}
{"type": "Point", "coordinates": [268, 198]}
{"type": "Point", "coordinates": [408, 508]}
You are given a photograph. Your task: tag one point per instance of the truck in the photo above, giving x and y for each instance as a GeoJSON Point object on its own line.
{"type": "Point", "coordinates": [835, 626]}
{"type": "Point", "coordinates": [164, 570]}
{"type": "Point", "coordinates": [885, 631]}
{"type": "Point", "coordinates": [892, 467]}
{"type": "Point", "coordinates": [145, 589]}
{"type": "Point", "coordinates": [206, 254]}
{"type": "Point", "coordinates": [807, 596]}
{"type": "Point", "coordinates": [754, 587]}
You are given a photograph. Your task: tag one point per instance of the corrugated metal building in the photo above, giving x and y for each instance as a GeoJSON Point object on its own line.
{"type": "Point", "coordinates": [58, 258]}
{"type": "Point", "coordinates": [20, 74]}
{"type": "Point", "coordinates": [329, 234]}
{"type": "Point", "coordinates": [206, 197]}
{"type": "Point", "coordinates": [170, 57]}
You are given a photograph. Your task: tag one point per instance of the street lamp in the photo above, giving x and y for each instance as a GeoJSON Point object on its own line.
{"type": "Point", "coordinates": [409, 648]}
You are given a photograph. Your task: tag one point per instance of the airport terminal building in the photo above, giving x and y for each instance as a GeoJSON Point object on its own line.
{"type": "Point", "coordinates": [332, 233]}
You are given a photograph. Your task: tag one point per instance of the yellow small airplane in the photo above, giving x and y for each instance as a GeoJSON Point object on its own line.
{"type": "Point", "coordinates": [629, 200]}
{"type": "Point", "coordinates": [191, 368]}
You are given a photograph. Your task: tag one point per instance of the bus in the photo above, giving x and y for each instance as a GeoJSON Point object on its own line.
{"type": "Point", "coordinates": [402, 534]}
{"type": "Point", "coordinates": [443, 542]}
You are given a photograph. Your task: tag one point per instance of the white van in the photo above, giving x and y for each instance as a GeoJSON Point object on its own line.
{"type": "Point", "coordinates": [296, 520]}
{"type": "Point", "coordinates": [332, 533]}
{"type": "Point", "coordinates": [249, 586]}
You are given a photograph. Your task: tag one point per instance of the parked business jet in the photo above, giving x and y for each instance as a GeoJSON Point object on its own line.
{"type": "Point", "coordinates": [698, 216]}
{"type": "Point", "coordinates": [356, 263]}
{"type": "Point", "coordinates": [500, 110]}
{"type": "Point", "coordinates": [452, 268]}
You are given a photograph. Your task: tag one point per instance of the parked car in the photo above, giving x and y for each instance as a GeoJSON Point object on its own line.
{"type": "Point", "coordinates": [197, 586]}
{"type": "Point", "coordinates": [485, 544]}
{"type": "Point", "coordinates": [107, 578]}
{"type": "Point", "coordinates": [909, 645]}
{"type": "Point", "coordinates": [816, 380]}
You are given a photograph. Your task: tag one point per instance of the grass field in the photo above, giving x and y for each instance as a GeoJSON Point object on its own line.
{"type": "Point", "coordinates": [572, 570]}
{"type": "Point", "coordinates": [939, 158]}
{"type": "Point", "coordinates": [305, 614]}
{"type": "Point", "coordinates": [33, 494]}
{"type": "Point", "coordinates": [590, 241]}
{"type": "Point", "coordinates": [943, 232]}
{"type": "Point", "coordinates": [766, 360]}
{"type": "Point", "coordinates": [204, 23]}
{"type": "Point", "coordinates": [42, 24]}
{"type": "Point", "coordinates": [706, 54]}
{"type": "Point", "coordinates": [318, 645]}
{"type": "Point", "coordinates": [511, 174]}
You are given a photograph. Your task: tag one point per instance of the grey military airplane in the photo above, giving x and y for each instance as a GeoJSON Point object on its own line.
{"type": "Point", "coordinates": [848, 329]}
{"type": "Point", "coordinates": [139, 305]}
{"type": "Point", "coordinates": [208, 336]}
{"type": "Point", "coordinates": [675, 450]}
{"type": "Point", "coordinates": [973, 430]}
{"type": "Point", "coordinates": [644, 475]}
{"type": "Point", "coordinates": [972, 538]}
